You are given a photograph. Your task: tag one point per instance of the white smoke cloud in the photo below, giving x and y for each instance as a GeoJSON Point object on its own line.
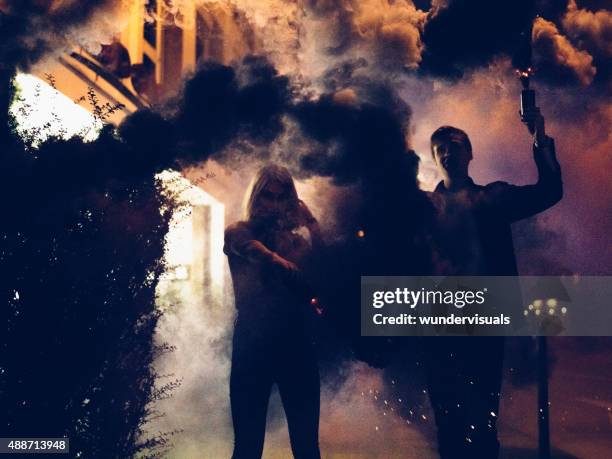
{"type": "Point", "coordinates": [556, 53]}
{"type": "Point", "coordinates": [591, 30]}
{"type": "Point", "coordinates": [387, 32]}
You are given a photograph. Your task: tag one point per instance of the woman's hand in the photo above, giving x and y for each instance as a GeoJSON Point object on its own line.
{"type": "Point", "coordinates": [283, 263]}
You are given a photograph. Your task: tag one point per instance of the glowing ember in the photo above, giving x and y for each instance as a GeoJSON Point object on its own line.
{"type": "Point", "coordinates": [314, 302]}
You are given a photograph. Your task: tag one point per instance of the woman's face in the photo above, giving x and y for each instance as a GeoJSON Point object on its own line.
{"type": "Point", "coordinates": [273, 200]}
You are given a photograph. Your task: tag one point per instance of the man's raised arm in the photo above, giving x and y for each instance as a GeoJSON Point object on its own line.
{"type": "Point", "coordinates": [518, 202]}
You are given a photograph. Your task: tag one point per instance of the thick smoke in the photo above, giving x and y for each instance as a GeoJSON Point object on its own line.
{"type": "Point", "coordinates": [592, 32]}
{"type": "Point", "coordinates": [590, 29]}
{"type": "Point", "coordinates": [310, 36]}
{"type": "Point", "coordinates": [275, 28]}
{"type": "Point", "coordinates": [387, 32]}
{"type": "Point", "coordinates": [226, 33]}
{"type": "Point", "coordinates": [557, 59]}
{"type": "Point", "coordinates": [462, 34]}
{"type": "Point", "coordinates": [30, 29]}
{"type": "Point", "coordinates": [219, 104]}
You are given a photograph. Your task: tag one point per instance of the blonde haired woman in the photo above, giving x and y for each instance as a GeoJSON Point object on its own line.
{"type": "Point", "coordinates": [270, 345]}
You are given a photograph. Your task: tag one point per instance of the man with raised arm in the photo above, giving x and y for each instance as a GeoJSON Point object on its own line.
{"type": "Point", "coordinates": [473, 238]}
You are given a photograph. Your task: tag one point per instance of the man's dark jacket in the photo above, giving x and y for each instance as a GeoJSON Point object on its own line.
{"type": "Point", "coordinates": [474, 235]}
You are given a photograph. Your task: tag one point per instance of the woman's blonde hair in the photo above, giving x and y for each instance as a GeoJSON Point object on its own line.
{"type": "Point", "coordinates": [273, 173]}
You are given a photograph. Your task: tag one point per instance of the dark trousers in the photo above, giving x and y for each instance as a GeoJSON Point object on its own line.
{"type": "Point", "coordinates": [464, 377]}
{"type": "Point", "coordinates": [258, 362]}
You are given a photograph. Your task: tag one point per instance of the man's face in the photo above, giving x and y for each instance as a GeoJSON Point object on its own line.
{"type": "Point", "coordinates": [452, 158]}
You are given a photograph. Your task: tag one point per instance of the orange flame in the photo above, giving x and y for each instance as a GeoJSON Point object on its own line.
{"type": "Point", "coordinates": [524, 73]}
